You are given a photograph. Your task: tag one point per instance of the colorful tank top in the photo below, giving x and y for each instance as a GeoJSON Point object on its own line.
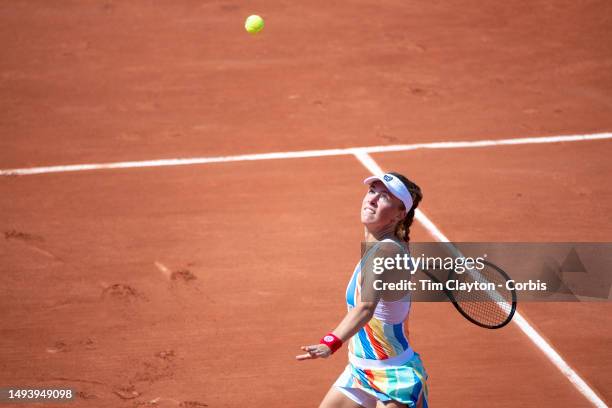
{"type": "Point", "coordinates": [386, 334]}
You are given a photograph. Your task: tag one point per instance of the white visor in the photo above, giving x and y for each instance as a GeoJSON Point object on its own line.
{"type": "Point", "coordinates": [395, 187]}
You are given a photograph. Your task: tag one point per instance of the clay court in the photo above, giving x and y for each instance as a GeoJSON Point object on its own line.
{"type": "Point", "coordinates": [143, 282]}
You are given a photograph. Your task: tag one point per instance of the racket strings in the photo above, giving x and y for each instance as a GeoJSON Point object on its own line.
{"type": "Point", "coordinates": [489, 301]}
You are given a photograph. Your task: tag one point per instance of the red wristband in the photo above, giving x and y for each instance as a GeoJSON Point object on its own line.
{"type": "Point", "coordinates": [331, 341]}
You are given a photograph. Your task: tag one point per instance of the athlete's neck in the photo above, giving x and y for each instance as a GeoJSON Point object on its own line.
{"type": "Point", "coordinates": [380, 235]}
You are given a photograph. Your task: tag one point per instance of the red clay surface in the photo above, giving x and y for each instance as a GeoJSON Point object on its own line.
{"type": "Point", "coordinates": [198, 284]}
{"type": "Point", "coordinates": [89, 81]}
{"type": "Point", "coordinates": [550, 193]}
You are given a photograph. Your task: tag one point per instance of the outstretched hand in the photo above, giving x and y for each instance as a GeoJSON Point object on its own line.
{"type": "Point", "coordinates": [314, 351]}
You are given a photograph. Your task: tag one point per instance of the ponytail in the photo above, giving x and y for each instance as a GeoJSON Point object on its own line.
{"type": "Point", "coordinates": [402, 230]}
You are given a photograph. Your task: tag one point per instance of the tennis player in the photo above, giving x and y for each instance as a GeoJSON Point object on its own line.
{"type": "Point", "coordinates": [383, 370]}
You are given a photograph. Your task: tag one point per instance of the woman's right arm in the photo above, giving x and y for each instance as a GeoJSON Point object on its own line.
{"type": "Point", "coordinates": [363, 311]}
{"type": "Point", "coordinates": [352, 322]}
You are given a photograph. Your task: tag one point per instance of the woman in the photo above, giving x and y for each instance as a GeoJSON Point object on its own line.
{"type": "Point", "coordinates": [383, 370]}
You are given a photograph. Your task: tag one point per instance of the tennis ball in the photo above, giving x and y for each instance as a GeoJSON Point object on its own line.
{"type": "Point", "coordinates": [254, 24]}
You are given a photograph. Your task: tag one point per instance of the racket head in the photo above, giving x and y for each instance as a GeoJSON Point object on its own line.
{"type": "Point", "coordinates": [489, 308]}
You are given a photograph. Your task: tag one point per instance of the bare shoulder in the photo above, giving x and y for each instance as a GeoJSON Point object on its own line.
{"type": "Point", "coordinates": [387, 264]}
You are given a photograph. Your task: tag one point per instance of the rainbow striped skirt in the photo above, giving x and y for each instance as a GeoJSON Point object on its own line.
{"type": "Point", "coordinates": [405, 383]}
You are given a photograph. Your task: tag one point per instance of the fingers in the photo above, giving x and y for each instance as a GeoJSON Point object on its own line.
{"type": "Point", "coordinates": [314, 351]}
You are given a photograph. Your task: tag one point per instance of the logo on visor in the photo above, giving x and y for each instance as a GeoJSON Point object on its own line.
{"type": "Point", "coordinates": [387, 177]}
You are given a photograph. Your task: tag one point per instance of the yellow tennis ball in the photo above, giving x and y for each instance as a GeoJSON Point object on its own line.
{"type": "Point", "coordinates": [254, 24]}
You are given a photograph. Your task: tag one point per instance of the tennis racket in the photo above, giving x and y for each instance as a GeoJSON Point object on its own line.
{"type": "Point", "coordinates": [491, 308]}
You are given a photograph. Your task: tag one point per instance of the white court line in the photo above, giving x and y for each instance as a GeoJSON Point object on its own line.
{"type": "Point", "coordinates": [518, 319]}
{"type": "Point", "coordinates": [302, 154]}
